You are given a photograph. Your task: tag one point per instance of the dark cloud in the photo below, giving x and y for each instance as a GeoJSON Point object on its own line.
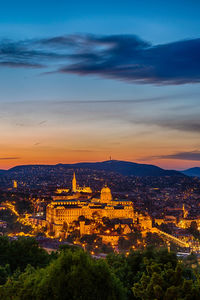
{"type": "Point", "coordinates": [132, 59]}
{"type": "Point", "coordinates": [27, 54]}
{"type": "Point", "coordinates": [59, 41]}
{"type": "Point", "coordinates": [192, 155]}
{"type": "Point", "coordinates": [123, 57]}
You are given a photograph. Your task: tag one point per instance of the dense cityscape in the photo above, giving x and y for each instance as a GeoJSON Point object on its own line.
{"type": "Point", "coordinates": [101, 211]}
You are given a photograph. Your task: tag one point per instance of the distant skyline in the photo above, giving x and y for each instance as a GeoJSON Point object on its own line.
{"type": "Point", "coordinates": [84, 81]}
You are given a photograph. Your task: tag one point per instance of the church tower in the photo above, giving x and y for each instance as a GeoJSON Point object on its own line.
{"type": "Point", "coordinates": [15, 184]}
{"type": "Point", "coordinates": [74, 183]}
{"type": "Point", "coordinates": [185, 212]}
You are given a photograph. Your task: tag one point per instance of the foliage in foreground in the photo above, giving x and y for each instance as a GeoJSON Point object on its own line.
{"type": "Point", "coordinates": [73, 275]}
{"type": "Point", "coordinates": [156, 274]}
{"type": "Point", "coordinates": [28, 272]}
{"type": "Point", "coordinates": [17, 254]}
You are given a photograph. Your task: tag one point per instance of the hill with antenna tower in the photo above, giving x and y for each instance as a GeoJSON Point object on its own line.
{"type": "Point", "coordinates": [125, 168]}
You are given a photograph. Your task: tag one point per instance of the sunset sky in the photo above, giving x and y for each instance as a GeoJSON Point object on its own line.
{"type": "Point", "coordinates": [86, 80]}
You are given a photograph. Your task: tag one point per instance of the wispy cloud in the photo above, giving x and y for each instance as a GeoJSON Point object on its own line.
{"type": "Point", "coordinates": [123, 57]}
{"type": "Point", "coordinates": [177, 122]}
{"type": "Point", "coordinates": [42, 122]}
{"type": "Point", "coordinates": [20, 64]}
{"type": "Point", "coordinates": [190, 155]}
{"type": "Point", "coordinates": [133, 113]}
{"type": "Point", "coordinates": [9, 158]}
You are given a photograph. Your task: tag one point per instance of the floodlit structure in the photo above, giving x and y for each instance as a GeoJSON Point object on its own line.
{"type": "Point", "coordinates": [15, 184]}
{"type": "Point", "coordinates": [64, 210]}
{"type": "Point", "coordinates": [74, 183]}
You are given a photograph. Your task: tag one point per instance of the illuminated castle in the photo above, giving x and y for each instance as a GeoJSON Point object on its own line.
{"type": "Point", "coordinates": [66, 209]}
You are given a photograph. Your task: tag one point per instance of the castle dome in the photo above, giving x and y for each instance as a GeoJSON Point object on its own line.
{"type": "Point", "coordinates": [106, 195]}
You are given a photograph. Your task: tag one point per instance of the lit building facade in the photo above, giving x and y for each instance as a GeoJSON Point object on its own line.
{"type": "Point", "coordinates": [66, 209]}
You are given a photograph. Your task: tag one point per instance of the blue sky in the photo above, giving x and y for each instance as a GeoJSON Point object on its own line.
{"type": "Point", "coordinates": [175, 19]}
{"type": "Point", "coordinates": [138, 106]}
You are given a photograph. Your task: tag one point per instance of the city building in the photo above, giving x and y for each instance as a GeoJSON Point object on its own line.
{"type": "Point", "coordinates": [68, 208]}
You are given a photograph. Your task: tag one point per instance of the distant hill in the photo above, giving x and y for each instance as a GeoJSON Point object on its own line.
{"type": "Point", "coordinates": [194, 172]}
{"type": "Point", "coordinates": [122, 167]}
{"type": "Point", "coordinates": [126, 168]}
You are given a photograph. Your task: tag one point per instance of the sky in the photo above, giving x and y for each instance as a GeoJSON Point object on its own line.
{"type": "Point", "coordinates": [90, 80]}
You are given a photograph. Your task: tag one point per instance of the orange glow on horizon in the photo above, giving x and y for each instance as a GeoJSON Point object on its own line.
{"type": "Point", "coordinates": [93, 157]}
{"type": "Point", "coordinates": [84, 142]}
{"type": "Point", "coordinates": [66, 133]}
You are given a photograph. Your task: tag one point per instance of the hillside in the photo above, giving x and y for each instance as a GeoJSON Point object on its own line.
{"type": "Point", "coordinates": [122, 167]}
{"type": "Point", "coordinates": [194, 172]}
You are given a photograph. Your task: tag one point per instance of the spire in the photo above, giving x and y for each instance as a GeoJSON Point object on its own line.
{"type": "Point", "coordinates": [15, 184]}
{"type": "Point", "coordinates": [185, 212]}
{"type": "Point", "coordinates": [74, 183]}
